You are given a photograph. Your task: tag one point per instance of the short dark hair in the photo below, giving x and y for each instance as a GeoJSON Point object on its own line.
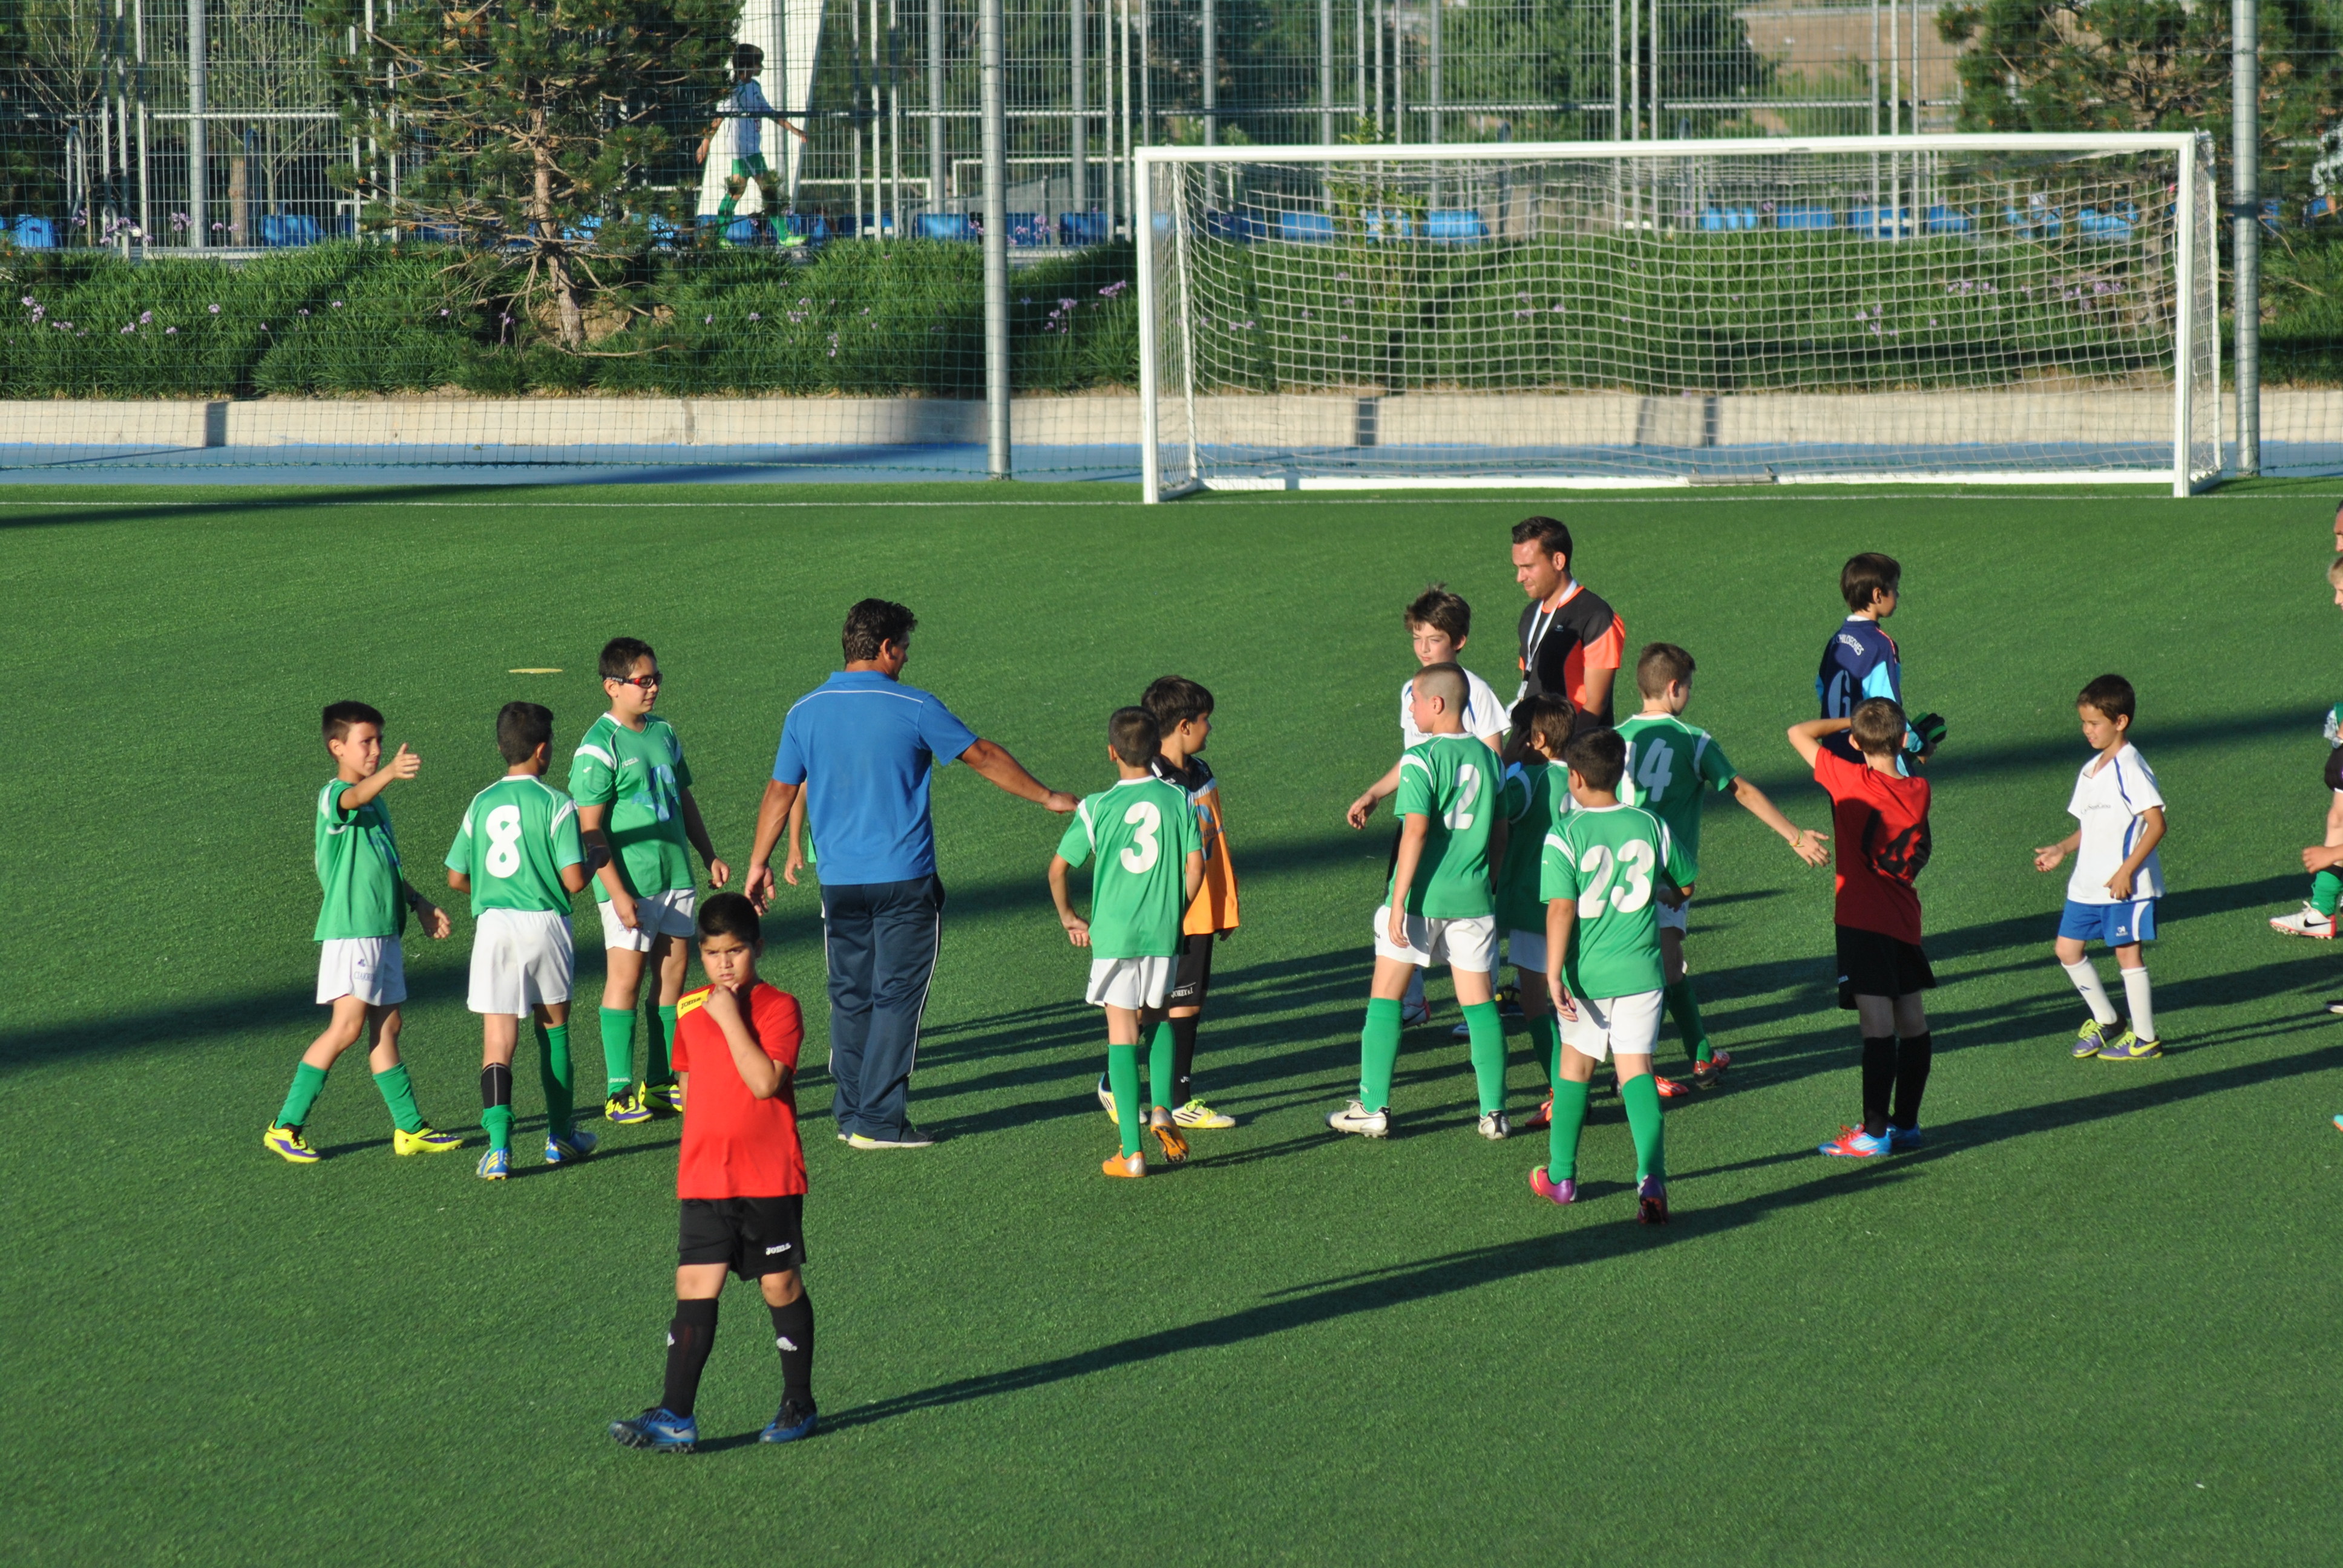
{"type": "Point", "coordinates": [730, 915]}
{"type": "Point", "coordinates": [2111, 695]}
{"type": "Point", "coordinates": [521, 729]}
{"type": "Point", "coordinates": [620, 654]}
{"type": "Point", "coordinates": [747, 57]}
{"type": "Point", "coordinates": [339, 716]}
{"type": "Point", "coordinates": [1867, 576]}
{"type": "Point", "coordinates": [1548, 718]}
{"type": "Point", "coordinates": [1175, 700]}
{"type": "Point", "coordinates": [1662, 665]}
{"type": "Point", "coordinates": [1446, 680]}
{"type": "Point", "coordinates": [872, 624]}
{"type": "Point", "coordinates": [1551, 535]}
{"type": "Point", "coordinates": [1878, 724]}
{"type": "Point", "coordinates": [1436, 607]}
{"type": "Point", "coordinates": [1133, 734]}
{"type": "Point", "coordinates": [1597, 756]}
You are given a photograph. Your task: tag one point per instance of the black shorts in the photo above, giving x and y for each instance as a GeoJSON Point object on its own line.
{"type": "Point", "coordinates": [1193, 978]}
{"type": "Point", "coordinates": [753, 1237]}
{"type": "Point", "coordinates": [1872, 964]}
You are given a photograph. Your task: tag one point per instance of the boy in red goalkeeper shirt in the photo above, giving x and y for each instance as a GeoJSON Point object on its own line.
{"type": "Point", "coordinates": [741, 1177]}
{"type": "Point", "coordinates": [1880, 820]}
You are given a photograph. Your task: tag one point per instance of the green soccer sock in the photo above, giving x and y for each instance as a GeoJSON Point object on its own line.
{"type": "Point", "coordinates": [618, 1048]}
{"type": "Point", "coordinates": [309, 1082]}
{"type": "Point", "coordinates": [1487, 1028]}
{"type": "Point", "coordinates": [1122, 1072]}
{"type": "Point", "coordinates": [660, 1049]}
{"type": "Point", "coordinates": [497, 1120]}
{"type": "Point", "coordinates": [1378, 1052]}
{"type": "Point", "coordinates": [1561, 1140]}
{"type": "Point", "coordinates": [1163, 1065]}
{"type": "Point", "coordinates": [1641, 1095]}
{"type": "Point", "coordinates": [1684, 1008]}
{"type": "Point", "coordinates": [1545, 1045]}
{"type": "Point", "coordinates": [2325, 892]}
{"type": "Point", "coordinates": [553, 1072]}
{"type": "Point", "coordinates": [398, 1093]}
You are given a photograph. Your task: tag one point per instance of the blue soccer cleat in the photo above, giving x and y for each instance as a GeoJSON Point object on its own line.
{"type": "Point", "coordinates": [657, 1429]}
{"type": "Point", "coordinates": [2091, 1039]}
{"type": "Point", "coordinates": [2128, 1046]}
{"type": "Point", "coordinates": [569, 1148]}
{"type": "Point", "coordinates": [1903, 1140]}
{"type": "Point", "coordinates": [793, 1421]}
{"type": "Point", "coordinates": [495, 1165]}
{"type": "Point", "coordinates": [1853, 1144]}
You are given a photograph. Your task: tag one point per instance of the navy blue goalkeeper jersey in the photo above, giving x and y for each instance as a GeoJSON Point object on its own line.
{"type": "Point", "coordinates": [1860, 662]}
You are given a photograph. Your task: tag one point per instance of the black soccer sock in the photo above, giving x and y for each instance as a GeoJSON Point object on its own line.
{"type": "Point", "coordinates": [1911, 1078]}
{"type": "Point", "coordinates": [689, 1337]}
{"type": "Point", "coordinates": [1183, 1059]}
{"type": "Point", "coordinates": [1878, 1080]}
{"type": "Point", "coordinates": [496, 1105]}
{"type": "Point", "coordinates": [794, 1337]}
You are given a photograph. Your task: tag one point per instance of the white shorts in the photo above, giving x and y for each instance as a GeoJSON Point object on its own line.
{"type": "Point", "coordinates": [1134, 983]}
{"type": "Point", "coordinates": [1462, 942]}
{"type": "Point", "coordinates": [370, 968]}
{"type": "Point", "coordinates": [1526, 950]}
{"type": "Point", "coordinates": [667, 914]}
{"type": "Point", "coordinates": [521, 958]}
{"type": "Point", "coordinates": [1673, 920]}
{"type": "Point", "coordinates": [1628, 1025]}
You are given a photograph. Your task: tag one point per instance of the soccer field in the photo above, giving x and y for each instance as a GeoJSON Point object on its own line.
{"type": "Point", "coordinates": [2092, 1321]}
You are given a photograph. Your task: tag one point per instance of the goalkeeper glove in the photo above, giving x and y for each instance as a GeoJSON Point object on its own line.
{"type": "Point", "coordinates": [1926, 733]}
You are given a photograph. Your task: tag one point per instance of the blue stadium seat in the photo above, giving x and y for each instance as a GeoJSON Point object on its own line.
{"type": "Point", "coordinates": [1239, 227]}
{"type": "Point", "coordinates": [945, 226]}
{"type": "Point", "coordinates": [1805, 217]}
{"type": "Point", "coordinates": [1390, 225]}
{"type": "Point", "coordinates": [1083, 228]}
{"type": "Point", "coordinates": [1880, 222]}
{"type": "Point", "coordinates": [282, 229]}
{"type": "Point", "coordinates": [1943, 219]}
{"type": "Point", "coordinates": [30, 233]}
{"type": "Point", "coordinates": [1305, 227]}
{"type": "Point", "coordinates": [1454, 226]}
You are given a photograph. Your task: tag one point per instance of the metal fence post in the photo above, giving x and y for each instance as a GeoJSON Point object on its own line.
{"type": "Point", "coordinates": [199, 229]}
{"type": "Point", "coordinates": [993, 105]}
{"type": "Point", "coordinates": [937, 186]}
{"type": "Point", "coordinates": [1078, 192]}
{"type": "Point", "coordinates": [2245, 154]}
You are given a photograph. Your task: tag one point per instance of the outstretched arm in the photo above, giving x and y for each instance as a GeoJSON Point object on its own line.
{"type": "Point", "coordinates": [1805, 842]}
{"type": "Point", "coordinates": [1806, 739]}
{"type": "Point", "coordinates": [993, 763]}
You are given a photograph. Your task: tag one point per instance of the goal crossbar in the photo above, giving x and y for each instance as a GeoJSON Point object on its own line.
{"type": "Point", "coordinates": [1990, 309]}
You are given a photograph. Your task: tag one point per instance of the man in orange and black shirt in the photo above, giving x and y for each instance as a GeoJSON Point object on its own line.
{"type": "Point", "coordinates": [1183, 713]}
{"type": "Point", "coordinates": [1571, 641]}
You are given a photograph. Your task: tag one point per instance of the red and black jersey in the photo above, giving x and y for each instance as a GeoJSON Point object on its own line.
{"type": "Point", "coordinates": [1881, 825]}
{"type": "Point", "coordinates": [1557, 645]}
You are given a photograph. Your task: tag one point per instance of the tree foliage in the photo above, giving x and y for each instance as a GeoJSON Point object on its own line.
{"type": "Point", "coordinates": [527, 128]}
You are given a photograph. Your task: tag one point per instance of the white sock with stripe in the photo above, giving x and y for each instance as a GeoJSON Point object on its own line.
{"type": "Point", "coordinates": [2085, 976]}
{"type": "Point", "coordinates": [2143, 1015]}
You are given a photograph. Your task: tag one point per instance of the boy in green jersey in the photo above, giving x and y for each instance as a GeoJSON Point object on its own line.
{"type": "Point", "coordinates": [520, 856]}
{"type": "Point", "coordinates": [1440, 907]}
{"type": "Point", "coordinates": [1670, 765]}
{"type": "Point", "coordinates": [639, 823]}
{"type": "Point", "coordinates": [1604, 869]}
{"type": "Point", "coordinates": [1534, 797]}
{"type": "Point", "coordinates": [361, 973]}
{"type": "Point", "coordinates": [1150, 861]}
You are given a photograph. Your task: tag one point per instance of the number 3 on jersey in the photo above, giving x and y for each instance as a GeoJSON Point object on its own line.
{"type": "Point", "coordinates": [1635, 859]}
{"type": "Point", "coordinates": [1141, 853]}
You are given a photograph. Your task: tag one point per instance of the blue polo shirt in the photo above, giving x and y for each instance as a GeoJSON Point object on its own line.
{"type": "Point", "coordinates": [866, 747]}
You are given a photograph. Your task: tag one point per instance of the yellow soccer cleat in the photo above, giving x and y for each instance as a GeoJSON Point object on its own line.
{"type": "Point", "coordinates": [666, 1097]}
{"type": "Point", "coordinates": [1196, 1113]}
{"type": "Point", "coordinates": [422, 1140]}
{"type": "Point", "coordinates": [287, 1144]}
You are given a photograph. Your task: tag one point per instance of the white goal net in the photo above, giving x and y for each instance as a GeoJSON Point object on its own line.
{"type": "Point", "coordinates": [1860, 309]}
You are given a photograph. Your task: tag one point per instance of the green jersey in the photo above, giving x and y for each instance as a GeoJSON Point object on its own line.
{"type": "Point", "coordinates": [1142, 832]}
{"type": "Point", "coordinates": [1451, 782]}
{"type": "Point", "coordinates": [1536, 797]}
{"type": "Point", "coordinates": [1608, 858]}
{"type": "Point", "coordinates": [517, 835]}
{"type": "Point", "coordinates": [1669, 763]}
{"type": "Point", "coordinates": [641, 778]}
{"type": "Point", "coordinates": [358, 867]}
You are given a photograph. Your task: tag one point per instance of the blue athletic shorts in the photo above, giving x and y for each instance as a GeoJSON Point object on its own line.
{"type": "Point", "coordinates": [2118, 925]}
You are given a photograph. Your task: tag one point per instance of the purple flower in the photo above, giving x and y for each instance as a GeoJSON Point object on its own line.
{"type": "Point", "coordinates": [1557, 310]}
{"type": "Point", "coordinates": [1859, 313]}
{"type": "Point", "coordinates": [337, 305]}
{"type": "Point", "coordinates": [144, 316]}
{"type": "Point", "coordinates": [26, 300]}
{"type": "Point", "coordinates": [132, 328]}
{"type": "Point", "coordinates": [443, 309]}
{"type": "Point", "coordinates": [170, 332]}
{"type": "Point", "coordinates": [706, 320]}
{"type": "Point", "coordinates": [305, 311]}
{"type": "Point", "coordinates": [754, 315]}
{"type": "Point", "coordinates": [215, 310]}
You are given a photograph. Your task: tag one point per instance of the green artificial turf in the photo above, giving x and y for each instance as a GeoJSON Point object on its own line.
{"type": "Point", "coordinates": [2092, 1321]}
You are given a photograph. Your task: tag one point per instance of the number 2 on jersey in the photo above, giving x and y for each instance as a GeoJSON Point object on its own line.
{"type": "Point", "coordinates": [1458, 817]}
{"type": "Point", "coordinates": [1636, 860]}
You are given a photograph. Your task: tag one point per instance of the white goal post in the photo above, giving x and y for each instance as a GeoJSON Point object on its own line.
{"type": "Point", "coordinates": [1838, 309]}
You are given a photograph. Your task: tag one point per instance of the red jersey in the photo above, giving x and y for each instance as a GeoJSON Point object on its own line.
{"type": "Point", "coordinates": [736, 1145]}
{"type": "Point", "coordinates": [1881, 823]}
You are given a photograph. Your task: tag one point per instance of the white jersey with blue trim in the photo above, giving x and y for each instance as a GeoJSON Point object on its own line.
{"type": "Point", "coordinates": [1860, 662]}
{"type": "Point", "coordinates": [742, 132]}
{"type": "Point", "coordinates": [1485, 716]}
{"type": "Point", "coordinates": [2110, 794]}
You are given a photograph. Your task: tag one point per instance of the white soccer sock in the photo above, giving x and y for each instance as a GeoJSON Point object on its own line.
{"type": "Point", "coordinates": [2143, 1015]}
{"type": "Point", "coordinates": [2086, 981]}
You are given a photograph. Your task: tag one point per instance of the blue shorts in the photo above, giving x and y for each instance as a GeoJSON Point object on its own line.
{"type": "Point", "coordinates": [2118, 925]}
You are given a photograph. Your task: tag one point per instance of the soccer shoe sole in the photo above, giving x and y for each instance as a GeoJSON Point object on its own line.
{"type": "Point", "coordinates": [1652, 1209]}
{"type": "Point", "coordinates": [1175, 1148]}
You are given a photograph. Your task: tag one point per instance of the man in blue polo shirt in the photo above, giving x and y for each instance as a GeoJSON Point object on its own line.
{"type": "Point", "coordinates": [863, 745]}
